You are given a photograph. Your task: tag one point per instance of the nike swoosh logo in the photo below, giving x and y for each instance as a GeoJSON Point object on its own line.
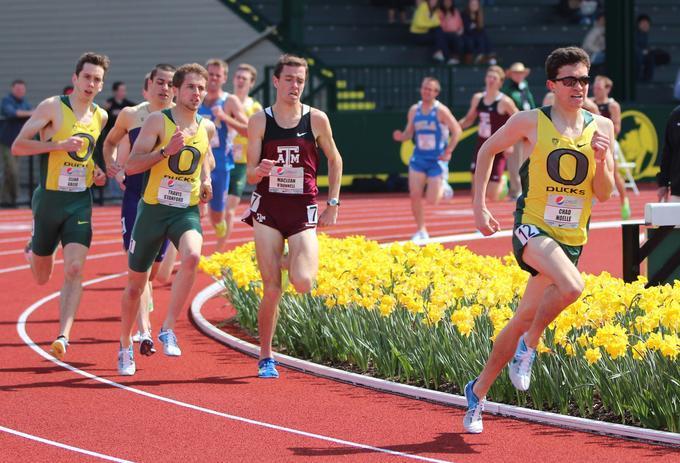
{"type": "Point", "coordinates": [580, 146]}
{"type": "Point", "coordinates": [80, 222]}
{"type": "Point", "coordinates": [301, 134]}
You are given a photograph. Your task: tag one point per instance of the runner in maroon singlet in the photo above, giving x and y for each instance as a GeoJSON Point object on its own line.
{"type": "Point", "coordinates": [611, 109]}
{"type": "Point", "coordinates": [282, 160]}
{"type": "Point", "coordinates": [493, 109]}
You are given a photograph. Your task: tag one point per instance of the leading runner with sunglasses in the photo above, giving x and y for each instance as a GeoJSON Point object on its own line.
{"type": "Point", "coordinates": [569, 163]}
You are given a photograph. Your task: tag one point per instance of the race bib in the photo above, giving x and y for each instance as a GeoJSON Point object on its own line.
{"type": "Point", "coordinates": [524, 232]}
{"type": "Point", "coordinates": [255, 201]}
{"type": "Point", "coordinates": [175, 193]}
{"type": "Point", "coordinates": [426, 141]}
{"type": "Point", "coordinates": [287, 180]}
{"type": "Point", "coordinates": [484, 129]}
{"type": "Point", "coordinates": [72, 179]}
{"type": "Point", "coordinates": [312, 214]}
{"type": "Point", "coordinates": [238, 153]}
{"type": "Point", "coordinates": [563, 211]}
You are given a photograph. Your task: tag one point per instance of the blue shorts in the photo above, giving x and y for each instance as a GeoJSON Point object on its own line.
{"type": "Point", "coordinates": [430, 167]}
{"type": "Point", "coordinates": [220, 182]}
{"type": "Point", "coordinates": [128, 215]}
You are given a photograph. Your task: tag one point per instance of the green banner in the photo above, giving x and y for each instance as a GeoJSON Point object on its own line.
{"type": "Point", "coordinates": [368, 150]}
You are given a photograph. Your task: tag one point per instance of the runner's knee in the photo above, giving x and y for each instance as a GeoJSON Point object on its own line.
{"type": "Point", "coordinates": [571, 290]}
{"type": "Point", "coordinates": [301, 283]}
{"type": "Point", "coordinates": [190, 260]}
{"type": "Point", "coordinates": [73, 270]}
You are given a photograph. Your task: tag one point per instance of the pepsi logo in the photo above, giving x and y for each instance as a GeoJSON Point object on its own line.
{"type": "Point", "coordinates": [171, 182]}
{"type": "Point", "coordinates": [69, 170]}
{"type": "Point", "coordinates": [559, 200]}
{"type": "Point", "coordinates": [279, 170]}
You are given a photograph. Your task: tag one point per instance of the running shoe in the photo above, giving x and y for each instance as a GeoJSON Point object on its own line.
{"type": "Point", "coordinates": [169, 340]}
{"type": "Point", "coordinates": [146, 346]}
{"type": "Point", "coordinates": [625, 209]}
{"type": "Point", "coordinates": [137, 336]}
{"type": "Point", "coordinates": [59, 346]}
{"type": "Point", "coordinates": [473, 417]}
{"type": "Point", "coordinates": [519, 367]}
{"type": "Point", "coordinates": [447, 191]}
{"type": "Point", "coordinates": [126, 361]}
{"type": "Point", "coordinates": [420, 237]}
{"type": "Point", "coordinates": [266, 368]}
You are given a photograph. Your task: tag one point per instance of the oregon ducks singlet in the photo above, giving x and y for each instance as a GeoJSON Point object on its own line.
{"type": "Point", "coordinates": [557, 181]}
{"type": "Point", "coordinates": [72, 171]}
{"type": "Point", "coordinates": [175, 181]}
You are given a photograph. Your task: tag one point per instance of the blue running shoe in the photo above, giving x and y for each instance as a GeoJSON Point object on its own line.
{"type": "Point", "coordinates": [473, 417]}
{"type": "Point", "coordinates": [169, 340]}
{"type": "Point", "coordinates": [519, 368]}
{"type": "Point", "coordinates": [266, 368]}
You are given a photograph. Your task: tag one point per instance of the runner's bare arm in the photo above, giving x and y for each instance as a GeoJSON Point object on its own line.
{"type": "Point", "coordinates": [615, 113]}
{"type": "Point", "coordinates": [207, 167]}
{"type": "Point", "coordinates": [43, 116]}
{"type": "Point", "coordinates": [407, 133]}
{"type": "Point", "coordinates": [517, 128]}
{"type": "Point", "coordinates": [142, 158]}
{"type": "Point", "coordinates": [446, 117]}
{"type": "Point", "coordinates": [508, 106]}
{"type": "Point", "coordinates": [257, 169]}
{"type": "Point", "coordinates": [236, 115]}
{"type": "Point", "coordinates": [471, 115]}
{"type": "Point", "coordinates": [321, 127]}
{"type": "Point", "coordinates": [110, 146]}
{"type": "Point", "coordinates": [603, 145]}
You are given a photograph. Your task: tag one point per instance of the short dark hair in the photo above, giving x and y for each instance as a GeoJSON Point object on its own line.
{"type": "Point", "coordinates": [161, 67]}
{"type": "Point", "coordinates": [290, 60]}
{"type": "Point", "coordinates": [643, 17]}
{"type": "Point", "coordinates": [564, 57]}
{"type": "Point", "coordinates": [17, 81]}
{"type": "Point", "coordinates": [146, 81]}
{"type": "Point", "coordinates": [92, 58]}
{"type": "Point", "coordinates": [190, 68]}
{"type": "Point", "coordinates": [116, 85]}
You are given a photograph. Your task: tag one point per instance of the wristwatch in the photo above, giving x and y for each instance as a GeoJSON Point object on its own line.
{"type": "Point", "coordinates": [162, 151]}
{"type": "Point", "coordinates": [333, 202]}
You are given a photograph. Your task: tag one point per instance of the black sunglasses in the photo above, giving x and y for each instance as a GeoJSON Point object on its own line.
{"type": "Point", "coordinates": [570, 81]}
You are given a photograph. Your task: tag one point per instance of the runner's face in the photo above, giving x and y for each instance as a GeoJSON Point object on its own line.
{"type": "Point", "coordinates": [290, 84]}
{"type": "Point", "coordinates": [242, 81]}
{"type": "Point", "coordinates": [492, 81]}
{"type": "Point", "coordinates": [600, 90]}
{"type": "Point", "coordinates": [160, 88]}
{"type": "Point", "coordinates": [192, 92]}
{"type": "Point", "coordinates": [89, 82]}
{"type": "Point", "coordinates": [570, 97]}
{"type": "Point", "coordinates": [217, 76]}
{"type": "Point", "coordinates": [429, 91]}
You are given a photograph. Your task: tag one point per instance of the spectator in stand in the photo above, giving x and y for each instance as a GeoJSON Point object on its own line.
{"type": "Point", "coordinates": [594, 42]}
{"type": "Point", "coordinates": [426, 29]}
{"type": "Point", "coordinates": [452, 25]}
{"type": "Point", "coordinates": [15, 111]}
{"type": "Point", "coordinates": [647, 58]}
{"type": "Point", "coordinates": [477, 45]}
{"type": "Point", "coordinates": [517, 88]}
{"type": "Point", "coordinates": [117, 102]}
{"type": "Point", "coordinates": [669, 167]}
{"type": "Point", "coordinates": [392, 7]}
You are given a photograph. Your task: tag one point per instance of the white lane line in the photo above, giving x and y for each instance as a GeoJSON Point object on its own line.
{"type": "Point", "coordinates": [21, 329]}
{"type": "Point", "coordinates": [63, 446]}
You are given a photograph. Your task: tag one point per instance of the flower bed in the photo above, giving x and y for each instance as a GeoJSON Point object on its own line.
{"type": "Point", "coordinates": [428, 315]}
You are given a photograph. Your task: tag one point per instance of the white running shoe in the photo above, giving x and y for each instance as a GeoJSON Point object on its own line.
{"type": "Point", "coordinates": [137, 336]}
{"type": "Point", "coordinates": [447, 191]}
{"type": "Point", "coordinates": [169, 340]}
{"type": "Point", "coordinates": [473, 417]}
{"type": "Point", "coordinates": [58, 347]}
{"type": "Point", "coordinates": [519, 368]}
{"type": "Point", "coordinates": [126, 361]}
{"type": "Point", "coordinates": [420, 237]}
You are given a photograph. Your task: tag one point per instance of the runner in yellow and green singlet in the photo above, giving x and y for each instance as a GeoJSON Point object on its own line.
{"type": "Point", "coordinates": [570, 163]}
{"type": "Point", "coordinates": [173, 148]}
{"type": "Point", "coordinates": [68, 128]}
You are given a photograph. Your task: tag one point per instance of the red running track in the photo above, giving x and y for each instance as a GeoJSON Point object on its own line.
{"type": "Point", "coordinates": [209, 406]}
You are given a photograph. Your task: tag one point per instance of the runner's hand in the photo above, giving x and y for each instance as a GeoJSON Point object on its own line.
{"type": "Point", "coordinates": [176, 143]}
{"type": "Point", "coordinates": [485, 223]}
{"type": "Point", "coordinates": [328, 217]}
{"type": "Point", "coordinates": [218, 113]}
{"type": "Point", "coordinates": [264, 168]}
{"type": "Point", "coordinates": [206, 192]}
{"type": "Point", "coordinates": [72, 144]}
{"type": "Point", "coordinates": [397, 135]}
{"type": "Point", "coordinates": [99, 177]}
{"type": "Point", "coordinates": [600, 144]}
{"type": "Point", "coordinates": [112, 169]}
{"type": "Point", "coordinates": [120, 178]}
{"type": "Point", "coordinates": [446, 156]}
